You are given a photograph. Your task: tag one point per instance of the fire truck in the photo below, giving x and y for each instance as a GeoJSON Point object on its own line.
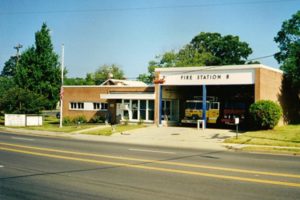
{"type": "Point", "coordinates": [232, 110]}
{"type": "Point", "coordinates": [193, 110]}
{"type": "Point", "coordinates": [215, 113]}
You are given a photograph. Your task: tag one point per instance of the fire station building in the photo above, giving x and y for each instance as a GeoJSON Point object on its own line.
{"type": "Point", "coordinates": [178, 95]}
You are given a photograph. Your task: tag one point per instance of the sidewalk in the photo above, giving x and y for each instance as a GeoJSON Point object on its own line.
{"type": "Point", "coordinates": [179, 137]}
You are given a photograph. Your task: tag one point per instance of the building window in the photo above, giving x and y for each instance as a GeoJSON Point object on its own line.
{"type": "Point", "coordinates": [143, 107]}
{"type": "Point", "coordinates": [96, 106]}
{"type": "Point", "coordinates": [100, 106]}
{"type": "Point", "coordinates": [137, 110]}
{"type": "Point", "coordinates": [134, 109]}
{"type": "Point", "coordinates": [150, 110]}
{"type": "Point", "coordinates": [80, 106]}
{"type": "Point", "coordinates": [73, 105]}
{"type": "Point", "coordinates": [76, 105]}
{"type": "Point", "coordinates": [104, 106]}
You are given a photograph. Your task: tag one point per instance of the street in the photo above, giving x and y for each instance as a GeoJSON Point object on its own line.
{"type": "Point", "coordinates": [34, 167]}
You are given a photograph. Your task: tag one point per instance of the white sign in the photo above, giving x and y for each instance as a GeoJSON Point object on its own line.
{"type": "Point", "coordinates": [22, 120]}
{"type": "Point", "coordinates": [15, 120]}
{"type": "Point", "coordinates": [236, 120]}
{"type": "Point", "coordinates": [209, 77]}
{"type": "Point", "coordinates": [34, 120]}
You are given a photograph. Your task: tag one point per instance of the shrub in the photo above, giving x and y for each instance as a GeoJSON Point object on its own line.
{"type": "Point", "coordinates": [67, 121]}
{"type": "Point", "coordinates": [141, 122]}
{"type": "Point", "coordinates": [79, 119]}
{"type": "Point", "coordinates": [265, 114]}
{"type": "Point", "coordinates": [126, 121]}
{"type": "Point", "coordinates": [98, 119]}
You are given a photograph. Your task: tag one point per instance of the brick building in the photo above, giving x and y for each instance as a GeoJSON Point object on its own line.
{"type": "Point", "coordinates": [173, 87]}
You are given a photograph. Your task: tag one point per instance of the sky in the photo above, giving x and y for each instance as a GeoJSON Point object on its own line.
{"type": "Point", "coordinates": [130, 33]}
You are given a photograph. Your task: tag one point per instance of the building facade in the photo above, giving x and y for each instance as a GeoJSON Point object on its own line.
{"type": "Point", "coordinates": [127, 102]}
{"type": "Point", "coordinates": [174, 91]}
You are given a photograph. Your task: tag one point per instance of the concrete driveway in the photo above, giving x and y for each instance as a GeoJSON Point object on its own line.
{"type": "Point", "coordinates": [185, 137]}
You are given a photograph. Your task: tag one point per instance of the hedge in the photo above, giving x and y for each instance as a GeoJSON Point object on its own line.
{"type": "Point", "coordinates": [265, 114]}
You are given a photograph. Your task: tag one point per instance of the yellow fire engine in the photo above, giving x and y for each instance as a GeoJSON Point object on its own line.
{"type": "Point", "coordinates": [193, 110]}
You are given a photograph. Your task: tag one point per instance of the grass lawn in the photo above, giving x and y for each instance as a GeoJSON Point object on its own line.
{"type": "Point", "coordinates": [284, 150]}
{"type": "Point", "coordinates": [118, 128]}
{"type": "Point", "coordinates": [1, 120]}
{"type": "Point", "coordinates": [52, 124]}
{"type": "Point", "coordinates": [285, 136]}
{"type": "Point", "coordinates": [281, 136]}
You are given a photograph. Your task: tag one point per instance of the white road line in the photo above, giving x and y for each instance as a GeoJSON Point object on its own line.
{"type": "Point", "coordinates": [21, 138]}
{"type": "Point", "coordinates": [152, 151]}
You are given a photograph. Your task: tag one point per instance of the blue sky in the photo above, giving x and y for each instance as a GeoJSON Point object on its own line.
{"type": "Point", "coordinates": [130, 33]}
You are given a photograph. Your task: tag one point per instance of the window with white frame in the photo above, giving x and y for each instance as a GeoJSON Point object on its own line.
{"type": "Point", "coordinates": [150, 110]}
{"type": "Point", "coordinates": [138, 110]}
{"type": "Point", "coordinates": [100, 106]}
{"type": "Point", "coordinates": [104, 106]}
{"type": "Point", "coordinates": [143, 109]}
{"type": "Point", "coordinates": [96, 106]}
{"type": "Point", "coordinates": [76, 105]}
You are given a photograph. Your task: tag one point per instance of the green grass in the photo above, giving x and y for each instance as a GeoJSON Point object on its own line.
{"type": "Point", "coordinates": [1, 120]}
{"type": "Point", "coordinates": [288, 136]}
{"type": "Point", "coordinates": [118, 128]}
{"type": "Point", "coordinates": [285, 150]}
{"type": "Point", "coordinates": [51, 123]}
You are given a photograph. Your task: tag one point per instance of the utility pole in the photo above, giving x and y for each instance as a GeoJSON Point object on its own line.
{"type": "Point", "coordinates": [18, 47]}
{"type": "Point", "coordinates": [61, 88]}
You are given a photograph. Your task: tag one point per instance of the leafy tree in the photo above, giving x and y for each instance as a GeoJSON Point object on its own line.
{"type": "Point", "coordinates": [18, 100]}
{"type": "Point", "coordinates": [288, 39]}
{"type": "Point", "coordinates": [205, 49]}
{"type": "Point", "coordinates": [227, 50]}
{"type": "Point", "coordinates": [104, 72]}
{"type": "Point", "coordinates": [88, 80]}
{"type": "Point", "coordinates": [148, 78]}
{"type": "Point", "coordinates": [145, 78]}
{"type": "Point", "coordinates": [38, 68]}
{"type": "Point", "coordinates": [74, 81]}
{"type": "Point", "coordinates": [9, 68]}
{"type": "Point", "coordinates": [6, 82]}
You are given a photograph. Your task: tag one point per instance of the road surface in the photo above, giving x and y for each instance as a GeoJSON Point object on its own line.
{"type": "Point", "coordinates": [34, 167]}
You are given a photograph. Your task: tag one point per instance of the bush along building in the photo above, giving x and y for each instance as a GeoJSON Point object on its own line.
{"type": "Point", "coordinates": [178, 96]}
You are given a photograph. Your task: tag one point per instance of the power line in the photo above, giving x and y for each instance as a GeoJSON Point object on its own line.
{"type": "Point", "coordinates": [212, 67]}
{"type": "Point", "coordinates": [263, 57]}
{"type": "Point", "coordinates": [145, 8]}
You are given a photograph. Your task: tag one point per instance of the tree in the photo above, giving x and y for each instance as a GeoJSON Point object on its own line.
{"type": "Point", "coordinates": [205, 49]}
{"type": "Point", "coordinates": [148, 78]}
{"type": "Point", "coordinates": [5, 84]}
{"type": "Point", "coordinates": [21, 101]}
{"type": "Point", "coordinates": [88, 80]}
{"type": "Point", "coordinates": [38, 68]}
{"type": "Point", "coordinates": [105, 72]}
{"type": "Point", "coordinates": [288, 39]}
{"type": "Point", "coordinates": [227, 50]}
{"type": "Point", "coordinates": [9, 68]}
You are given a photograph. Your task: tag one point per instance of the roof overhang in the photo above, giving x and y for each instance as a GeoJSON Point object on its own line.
{"type": "Point", "coordinates": [140, 96]}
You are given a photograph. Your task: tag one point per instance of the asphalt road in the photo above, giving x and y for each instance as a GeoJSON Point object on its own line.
{"type": "Point", "coordinates": [53, 168]}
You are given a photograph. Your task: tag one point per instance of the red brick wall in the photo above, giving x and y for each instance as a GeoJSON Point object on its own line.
{"type": "Point", "coordinates": [92, 94]}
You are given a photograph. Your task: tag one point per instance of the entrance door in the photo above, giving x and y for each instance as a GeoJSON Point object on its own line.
{"type": "Point", "coordinates": [170, 111]}
{"type": "Point", "coordinates": [134, 109]}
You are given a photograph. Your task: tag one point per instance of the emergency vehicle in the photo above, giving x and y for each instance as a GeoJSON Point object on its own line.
{"type": "Point", "coordinates": [193, 110]}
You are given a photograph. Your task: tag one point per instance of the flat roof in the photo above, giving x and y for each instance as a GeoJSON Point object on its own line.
{"type": "Point", "coordinates": [215, 68]}
{"type": "Point", "coordinates": [143, 96]}
{"type": "Point", "coordinates": [107, 86]}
